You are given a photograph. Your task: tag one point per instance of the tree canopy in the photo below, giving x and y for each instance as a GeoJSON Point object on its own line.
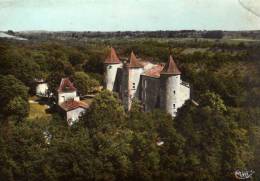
{"type": "Point", "coordinates": [84, 83]}
{"type": "Point", "coordinates": [214, 134]}
{"type": "Point", "coordinates": [13, 98]}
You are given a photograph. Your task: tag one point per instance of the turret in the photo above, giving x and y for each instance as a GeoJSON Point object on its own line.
{"type": "Point", "coordinates": [132, 73]}
{"type": "Point", "coordinates": [170, 83]}
{"type": "Point", "coordinates": [112, 63]}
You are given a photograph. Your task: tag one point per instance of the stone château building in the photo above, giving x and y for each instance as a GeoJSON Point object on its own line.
{"type": "Point", "coordinates": [155, 85]}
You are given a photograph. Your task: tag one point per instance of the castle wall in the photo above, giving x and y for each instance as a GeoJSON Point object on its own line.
{"type": "Point", "coordinates": [150, 92]}
{"type": "Point", "coordinates": [185, 94]}
{"type": "Point", "coordinates": [110, 75]}
{"type": "Point", "coordinates": [123, 90]}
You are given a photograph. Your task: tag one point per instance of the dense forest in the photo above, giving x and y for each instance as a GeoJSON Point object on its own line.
{"type": "Point", "coordinates": [214, 134]}
{"type": "Point", "coordinates": [68, 35]}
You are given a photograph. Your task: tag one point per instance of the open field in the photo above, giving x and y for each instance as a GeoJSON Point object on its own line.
{"type": "Point", "coordinates": [37, 109]}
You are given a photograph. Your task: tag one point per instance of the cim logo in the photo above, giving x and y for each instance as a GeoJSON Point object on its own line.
{"type": "Point", "coordinates": [243, 175]}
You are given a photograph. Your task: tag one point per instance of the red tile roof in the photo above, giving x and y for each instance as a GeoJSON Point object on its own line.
{"type": "Point", "coordinates": [171, 68]}
{"type": "Point", "coordinates": [71, 105]}
{"type": "Point", "coordinates": [112, 57]}
{"type": "Point", "coordinates": [66, 86]}
{"type": "Point", "coordinates": [154, 71]}
{"type": "Point", "coordinates": [134, 63]}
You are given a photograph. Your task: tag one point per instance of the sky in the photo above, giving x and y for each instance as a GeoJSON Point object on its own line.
{"type": "Point", "coordinates": [132, 15]}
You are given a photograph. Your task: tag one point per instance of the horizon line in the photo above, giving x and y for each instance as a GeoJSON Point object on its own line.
{"type": "Point", "coordinates": [108, 31]}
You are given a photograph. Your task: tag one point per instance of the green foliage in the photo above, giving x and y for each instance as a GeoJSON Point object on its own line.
{"type": "Point", "coordinates": [53, 81]}
{"type": "Point", "coordinates": [213, 34]}
{"type": "Point", "coordinates": [17, 108]}
{"type": "Point", "coordinates": [76, 58]}
{"type": "Point", "coordinates": [13, 98]}
{"type": "Point", "coordinates": [105, 121]}
{"type": "Point", "coordinates": [84, 83]}
{"type": "Point", "coordinates": [216, 145]}
{"type": "Point", "coordinates": [14, 63]}
{"type": "Point", "coordinates": [23, 153]}
{"type": "Point", "coordinates": [95, 63]}
{"type": "Point", "coordinates": [105, 114]}
{"type": "Point", "coordinates": [213, 100]}
{"type": "Point", "coordinates": [108, 144]}
{"type": "Point", "coordinates": [205, 142]}
{"type": "Point", "coordinates": [150, 159]}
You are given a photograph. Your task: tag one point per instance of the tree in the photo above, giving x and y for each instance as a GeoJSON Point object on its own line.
{"type": "Point", "coordinates": [76, 58]}
{"type": "Point", "coordinates": [24, 147]}
{"type": "Point", "coordinates": [213, 34]}
{"type": "Point", "coordinates": [215, 144]}
{"type": "Point", "coordinates": [17, 108]}
{"type": "Point", "coordinates": [157, 147]}
{"type": "Point", "coordinates": [13, 98]}
{"type": "Point", "coordinates": [105, 121]}
{"type": "Point", "coordinates": [70, 154]}
{"type": "Point", "coordinates": [53, 81]}
{"type": "Point", "coordinates": [105, 113]}
{"type": "Point", "coordinates": [84, 83]}
{"type": "Point", "coordinates": [213, 100]}
{"type": "Point", "coordinates": [58, 71]}
{"type": "Point", "coordinates": [14, 62]}
{"type": "Point", "coordinates": [95, 64]}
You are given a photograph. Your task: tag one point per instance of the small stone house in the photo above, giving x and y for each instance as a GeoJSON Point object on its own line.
{"type": "Point", "coordinates": [69, 103]}
{"type": "Point", "coordinates": [41, 88]}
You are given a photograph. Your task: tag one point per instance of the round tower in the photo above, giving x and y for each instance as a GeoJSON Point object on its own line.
{"type": "Point", "coordinates": [112, 63]}
{"type": "Point", "coordinates": [170, 80]}
{"type": "Point", "coordinates": [134, 70]}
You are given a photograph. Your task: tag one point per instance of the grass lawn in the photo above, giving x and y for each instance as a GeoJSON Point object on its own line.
{"type": "Point", "coordinates": [37, 110]}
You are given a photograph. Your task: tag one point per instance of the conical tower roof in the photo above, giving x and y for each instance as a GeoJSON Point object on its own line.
{"type": "Point", "coordinates": [171, 68]}
{"type": "Point", "coordinates": [66, 85]}
{"type": "Point", "coordinates": [134, 63]}
{"type": "Point", "coordinates": [112, 57]}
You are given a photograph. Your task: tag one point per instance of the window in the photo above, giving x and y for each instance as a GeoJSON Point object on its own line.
{"type": "Point", "coordinates": [133, 85]}
{"type": "Point", "coordinates": [174, 92]}
{"type": "Point", "coordinates": [110, 66]}
{"type": "Point", "coordinates": [173, 106]}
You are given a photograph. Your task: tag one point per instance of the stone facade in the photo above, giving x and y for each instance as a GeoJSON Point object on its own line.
{"type": "Point", "coordinates": [42, 89]}
{"type": "Point", "coordinates": [155, 85]}
{"type": "Point", "coordinates": [66, 96]}
{"type": "Point", "coordinates": [73, 115]}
